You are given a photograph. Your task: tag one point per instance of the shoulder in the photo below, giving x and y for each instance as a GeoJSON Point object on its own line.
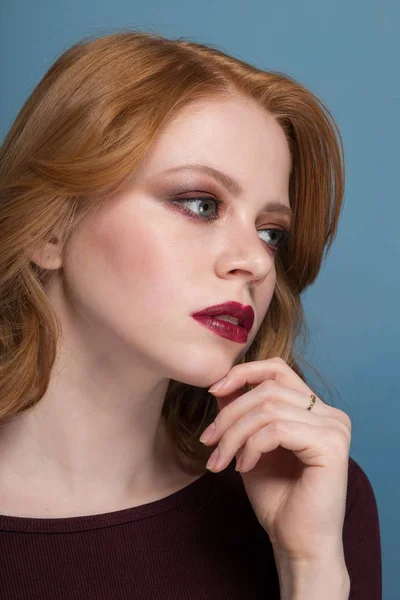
{"type": "Point", "coordinates": [361, 536]}
{"type": "Point", "coordinates": [359, 488]}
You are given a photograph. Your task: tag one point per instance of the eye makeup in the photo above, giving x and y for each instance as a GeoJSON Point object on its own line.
{"type": "Point", "coordinates": [277, 235]}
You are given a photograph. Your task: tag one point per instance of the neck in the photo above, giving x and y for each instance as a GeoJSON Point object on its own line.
{"type": "Point", "coordinates": [78, 456]}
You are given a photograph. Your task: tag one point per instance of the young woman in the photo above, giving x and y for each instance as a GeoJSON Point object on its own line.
{"type": "Point", "coordinates": [145, 181]}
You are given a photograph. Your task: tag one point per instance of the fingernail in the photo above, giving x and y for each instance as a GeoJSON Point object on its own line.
{"type": "Point", "coordinates": [208, 433]}
{"type": "Point", "coordinates": [218, 385]}
{"type": "Point", "coordinates": [239, 463]}
{"type": "Point", "coordinates": [212, 461]}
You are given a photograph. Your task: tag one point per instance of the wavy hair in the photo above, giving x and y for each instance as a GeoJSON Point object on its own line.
{"type": "Point", "coordinates": [79, 137]}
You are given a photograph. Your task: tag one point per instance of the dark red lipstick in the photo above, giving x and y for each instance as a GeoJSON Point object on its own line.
{"type": "Point", "coordinates": [236, 333]}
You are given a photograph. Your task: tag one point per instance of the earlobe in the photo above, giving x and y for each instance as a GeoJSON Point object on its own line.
{"type": "Point", "coordinates": [49, 255]}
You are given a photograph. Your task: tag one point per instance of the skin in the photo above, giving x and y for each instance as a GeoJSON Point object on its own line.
{"type": "Point", "coordinates": [132, 275]}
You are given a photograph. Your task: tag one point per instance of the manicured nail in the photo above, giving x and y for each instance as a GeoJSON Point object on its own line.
{"type": "Point", "coordinates": [218, 386]}
{"type": "Point", "coordinates": [208, 433]}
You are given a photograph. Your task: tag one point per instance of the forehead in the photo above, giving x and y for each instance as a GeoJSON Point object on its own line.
{"type": "Point", "coordinates": [235, 135]}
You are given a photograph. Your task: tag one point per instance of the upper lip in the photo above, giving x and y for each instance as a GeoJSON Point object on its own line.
{"type": "Point", "coordinates": [245, 314]}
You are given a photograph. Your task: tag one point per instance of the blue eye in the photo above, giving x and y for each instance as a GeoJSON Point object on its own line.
{"type": "Point", "coordinates": [277, 236]}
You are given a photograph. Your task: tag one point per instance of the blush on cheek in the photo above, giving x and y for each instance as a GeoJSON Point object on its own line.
{"type": "Point", "coordinates": [138, 254]}
{"type": "Point", "coordinates": [128, 256]}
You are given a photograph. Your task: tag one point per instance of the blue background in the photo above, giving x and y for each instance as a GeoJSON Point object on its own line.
{"type": "Point", "coordinates": [347, 52]}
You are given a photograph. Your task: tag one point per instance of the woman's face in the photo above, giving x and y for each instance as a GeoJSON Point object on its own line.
{"type": "Point", "coordinates": [139, 267]}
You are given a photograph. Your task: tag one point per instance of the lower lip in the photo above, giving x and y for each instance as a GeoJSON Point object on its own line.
{"type": "Point", "coordinates": [224, 329]}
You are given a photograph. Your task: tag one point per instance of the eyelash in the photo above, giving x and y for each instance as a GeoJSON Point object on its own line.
{"type": "Point", "coordinates": [286, 234]}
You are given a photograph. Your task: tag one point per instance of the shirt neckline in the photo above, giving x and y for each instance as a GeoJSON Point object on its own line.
{"type": "Point", "coordinates": [196, 490]}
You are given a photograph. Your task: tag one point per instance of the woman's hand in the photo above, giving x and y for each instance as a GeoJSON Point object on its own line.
{"type": "Point", "coordinates": [293, 462]}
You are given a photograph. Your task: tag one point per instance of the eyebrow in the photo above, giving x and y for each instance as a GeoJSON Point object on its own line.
{"type": "Point", "coordinates": [233, 186]}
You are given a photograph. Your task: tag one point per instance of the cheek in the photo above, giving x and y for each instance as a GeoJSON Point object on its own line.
{"type": "Point", "coordinates": [130, 261]}
{"type": "Point", "coordinates": [268, 292]}
{"type": "Point", "coordinates": [133, 264]}
{"type": "Point", "coordinates": [263, 298]}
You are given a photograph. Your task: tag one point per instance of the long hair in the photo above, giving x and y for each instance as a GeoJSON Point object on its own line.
{"type": "Point", "coordinates": [79, 137]}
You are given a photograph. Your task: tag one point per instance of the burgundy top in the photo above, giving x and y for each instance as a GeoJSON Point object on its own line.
{"type": "Point", "coordinates": [201, 543]}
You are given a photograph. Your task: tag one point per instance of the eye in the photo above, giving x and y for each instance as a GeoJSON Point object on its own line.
{"type": "Point", "coordinates": [276, 236]}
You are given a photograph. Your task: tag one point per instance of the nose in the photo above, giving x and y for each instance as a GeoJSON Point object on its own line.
{"type": "Point", "coordinates": [245, 255]}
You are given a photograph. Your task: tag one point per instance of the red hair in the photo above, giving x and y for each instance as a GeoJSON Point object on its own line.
{"type": "Point", "coordinates": [79, 137]}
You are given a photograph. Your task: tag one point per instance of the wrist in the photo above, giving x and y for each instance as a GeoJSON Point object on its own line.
{"type": "Point", "coordinates": [326, 577]}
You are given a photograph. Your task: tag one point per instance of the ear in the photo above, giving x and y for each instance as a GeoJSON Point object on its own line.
{"type": "Point", "coordinates": [48, 255]}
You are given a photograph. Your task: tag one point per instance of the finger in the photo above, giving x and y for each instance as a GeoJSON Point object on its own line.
{"type": "Point", "coordinates": [229, 398]}
{"type": "Point", "coordinates": [267, 392]}
{"type": "Point", "coordinates": [255, 372]}
{"type": "Point", "coordinates": [313, 445]}
{"type": "Point", "coordinates": [235, 437]}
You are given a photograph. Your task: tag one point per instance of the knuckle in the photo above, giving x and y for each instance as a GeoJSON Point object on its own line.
{"type": "Point", "coordinates": [268, 409]}
{"type": "Point", "coordinates": [279, 360]}
{"type": "Point", "coordinates": [251, 440]}
{"type": "Point", "coordinates": [344, 420]}
{"type": "Point", "coordinates": [280, 426]}
{"type": "Point", "coordinates": [237, 368]}
{"type": "Point", "coordinates": [228, 437]}
{"type": "Point", "coordinates": [345, 430]}
{"type": "Point", "coordinates": [342, 416]}
{"type": "Point", "coordinates": [340, 441]}
{"type": "Point", "coordinates": [267, 385]}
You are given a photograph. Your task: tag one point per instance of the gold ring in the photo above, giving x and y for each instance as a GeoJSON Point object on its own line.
{"type": "Point", "coordinates": [313, 399]}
